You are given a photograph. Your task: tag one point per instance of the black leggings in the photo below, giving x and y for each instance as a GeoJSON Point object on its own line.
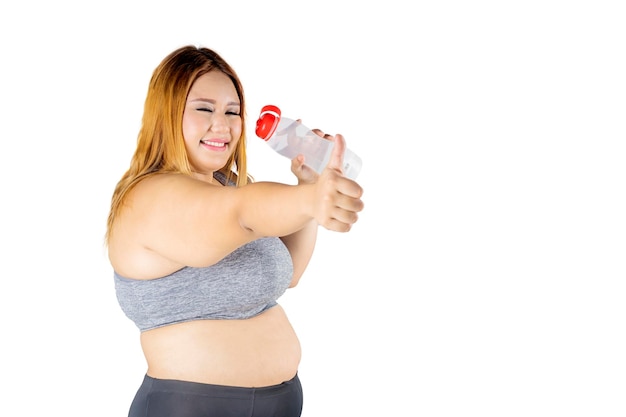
{"type": "Point", "coordinates": [171, 398]}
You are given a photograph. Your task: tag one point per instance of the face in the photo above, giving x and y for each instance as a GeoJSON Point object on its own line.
{"type": "Point", "coordinates": [211, 122]}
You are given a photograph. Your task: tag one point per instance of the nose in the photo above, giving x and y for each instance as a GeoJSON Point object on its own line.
{"type": "Point", "coordinates": [219, 123]}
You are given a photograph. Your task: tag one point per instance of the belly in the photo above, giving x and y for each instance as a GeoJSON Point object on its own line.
{"type": "Point", "coordinates": [260, 351]}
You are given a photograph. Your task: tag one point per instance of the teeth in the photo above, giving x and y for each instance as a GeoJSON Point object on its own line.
{"type": "Point", "coordinates": [218, 144]}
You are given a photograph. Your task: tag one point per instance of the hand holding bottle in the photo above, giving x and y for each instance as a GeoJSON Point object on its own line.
{"type": "Point", "coordinates": [299, 166]}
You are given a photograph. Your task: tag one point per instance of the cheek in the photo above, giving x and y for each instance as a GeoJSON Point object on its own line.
{"type": "Point", "coordinates": [191, 127]}
{"type": "Point", "coordinates": [187, 127]}
{"type": "Point", "coordinates": [235, 129]}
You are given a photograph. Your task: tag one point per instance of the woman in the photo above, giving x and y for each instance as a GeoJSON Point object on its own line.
{"type": "Point", "coordinates": [201, 253]}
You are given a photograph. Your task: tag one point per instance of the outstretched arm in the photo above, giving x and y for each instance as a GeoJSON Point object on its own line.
{"type": "Point", "coordinates": [173, 220]}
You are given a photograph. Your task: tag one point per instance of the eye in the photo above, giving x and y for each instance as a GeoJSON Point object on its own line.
{"type": "Point", "coordinates": [206, 109]}
{"type": "Point", "coordinates": [233, 113]}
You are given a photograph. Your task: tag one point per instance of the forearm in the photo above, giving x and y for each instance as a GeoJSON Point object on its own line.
{"type": "Point", "coordinates": [301, 245]}
{"type": "Point", "coordinates": [273, 209]}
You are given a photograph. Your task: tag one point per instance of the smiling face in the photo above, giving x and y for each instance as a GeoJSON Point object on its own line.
{"type": "Point", "coordinates": [211, 123]}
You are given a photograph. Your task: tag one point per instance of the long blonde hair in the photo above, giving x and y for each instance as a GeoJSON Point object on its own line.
{"type": "Point", "coordinates": [160, 143]}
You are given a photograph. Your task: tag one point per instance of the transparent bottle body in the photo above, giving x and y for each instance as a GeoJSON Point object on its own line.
{"type": "Point", "coordinates": [292, 138]}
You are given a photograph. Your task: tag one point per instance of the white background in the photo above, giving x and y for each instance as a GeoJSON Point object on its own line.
{"type": "Point", "coordinates": [486, 274]}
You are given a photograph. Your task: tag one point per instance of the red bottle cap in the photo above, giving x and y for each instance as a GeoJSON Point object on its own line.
{"type": "Point", "coordinates": [267, 122]}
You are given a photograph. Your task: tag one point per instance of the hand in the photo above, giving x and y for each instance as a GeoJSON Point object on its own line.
{"type": "Point", "coordinates": [304, 173]}
{"type": "Point", "coordinates": [339, 198]}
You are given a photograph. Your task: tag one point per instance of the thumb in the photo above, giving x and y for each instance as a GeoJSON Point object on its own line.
{"type": "Point", "coordinates": [336, 157]}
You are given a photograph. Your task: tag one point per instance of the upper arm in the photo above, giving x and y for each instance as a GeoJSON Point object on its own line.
{"type": "Point", "coordinates": [183, 220]}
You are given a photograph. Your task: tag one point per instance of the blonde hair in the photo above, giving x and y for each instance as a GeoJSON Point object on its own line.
{"type": "Point", "coordinates": [160, 143]}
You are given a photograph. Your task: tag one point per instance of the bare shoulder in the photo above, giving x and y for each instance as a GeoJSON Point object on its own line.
{"type": "Point", "coordinates": [169, 221]}
{"type": "Point", "coordinates": [128, 254]}
{"type": "Point", "coordinates": [164, 186]}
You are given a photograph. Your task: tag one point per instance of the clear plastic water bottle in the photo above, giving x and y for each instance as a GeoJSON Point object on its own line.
{"type": "Point", "coordinates": [290, 138]}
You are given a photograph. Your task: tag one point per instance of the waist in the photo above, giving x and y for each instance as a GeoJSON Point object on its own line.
{"type": "Point", "coordinates": [260, 351]}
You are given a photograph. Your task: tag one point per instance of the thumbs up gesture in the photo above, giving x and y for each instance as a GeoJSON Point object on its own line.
{"type": "Point", "coordinates": [338, 197]}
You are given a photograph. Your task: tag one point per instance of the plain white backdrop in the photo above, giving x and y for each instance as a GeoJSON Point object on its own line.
{"type": "Point", "coordinates": [486, 276]}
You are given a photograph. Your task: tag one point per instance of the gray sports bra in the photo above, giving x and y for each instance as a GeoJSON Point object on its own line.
{"type": "Point", "coordinates": [244, 284]}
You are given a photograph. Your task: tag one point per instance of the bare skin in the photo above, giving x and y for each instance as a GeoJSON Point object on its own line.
{"type": "Point", "coordinates": [171, 220]}
{"type": "Point", "coordinates": [256, 352]}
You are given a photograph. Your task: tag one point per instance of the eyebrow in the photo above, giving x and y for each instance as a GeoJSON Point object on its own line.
{"type": "Point", "coordinates": [208, 100]}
